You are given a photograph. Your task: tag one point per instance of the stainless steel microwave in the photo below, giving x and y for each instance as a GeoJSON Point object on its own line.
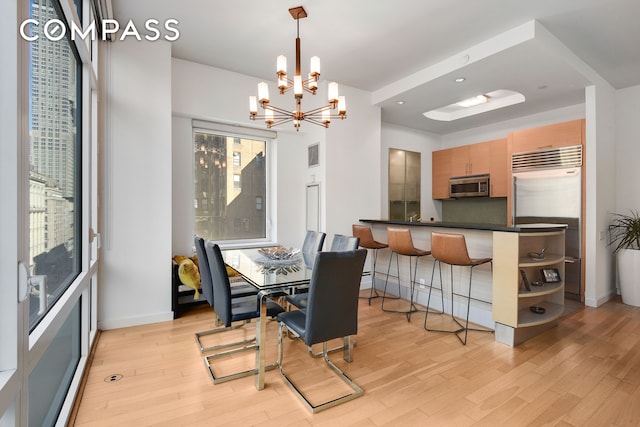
{"type": "Point", "coordinates": [469, 186]}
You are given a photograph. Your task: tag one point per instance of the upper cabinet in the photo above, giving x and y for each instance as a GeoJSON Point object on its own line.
{"type": "Point", "coordinates": [440, 174]}
{"type": "Point", "coordinates": [545, 137]}
{"type": "Point", "coordinates": [470, 159]}
{"type": "Point", "coordinates": [476, 159]}
{"type": "Point", "coordinates": [499, 168]}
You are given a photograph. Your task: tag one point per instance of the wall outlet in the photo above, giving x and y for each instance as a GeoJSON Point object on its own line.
{"type": "Point", "coordinates": [422, 283]}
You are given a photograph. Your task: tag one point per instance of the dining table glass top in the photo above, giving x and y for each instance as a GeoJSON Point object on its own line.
{"type": "Point", "coordinates": [265, 273]}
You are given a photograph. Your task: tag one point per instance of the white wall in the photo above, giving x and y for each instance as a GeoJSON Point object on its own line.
{"type": "Point", "coordinates": [403, 138]}
{"type": "Point", "coordinates": [352, 158]}
{"type": "Point", "coordinates": [600, 192]}
{"type": "Point", "coordinates": [627, 148]}
{"type": "Point", "coordinates": [136, 195]}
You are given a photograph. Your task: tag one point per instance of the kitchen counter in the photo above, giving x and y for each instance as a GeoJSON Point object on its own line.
{"type": "Point", "coordinates": [468, 226]}
{"type": "Point", "coordinates": [480, 240]}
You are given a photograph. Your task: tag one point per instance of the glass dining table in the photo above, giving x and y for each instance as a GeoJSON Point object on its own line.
{"type": "Point", "coordinates": [272, 278]}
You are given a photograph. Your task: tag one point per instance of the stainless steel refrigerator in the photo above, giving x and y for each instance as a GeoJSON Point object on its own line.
{"type": "Point", "coordinates": [547, 187]}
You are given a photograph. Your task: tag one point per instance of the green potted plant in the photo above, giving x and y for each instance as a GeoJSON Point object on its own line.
{"type": "Point", "coordinates": [624, 236]}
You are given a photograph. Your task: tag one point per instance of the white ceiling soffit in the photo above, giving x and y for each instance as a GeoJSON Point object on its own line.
{"type": "Point", "coordinates": [526, 59]}
{"type": "Point", "coordinates": [500, 98]}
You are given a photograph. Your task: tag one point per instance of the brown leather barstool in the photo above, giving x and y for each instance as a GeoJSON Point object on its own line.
{"type": "Point", "coordinates": [367, 241]}
{"type": "Point", "coordinates": [400, 243]}
{"type": "Point", "coordinates": [450, 248]}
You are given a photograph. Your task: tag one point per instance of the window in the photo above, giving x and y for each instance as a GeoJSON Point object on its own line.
{"type": "Point", "coordinates": [54, 162]}
{"type": "Point", "coordinates": [230, 174]}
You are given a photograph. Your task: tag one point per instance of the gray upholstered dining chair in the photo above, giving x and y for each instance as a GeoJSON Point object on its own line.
{"type": "Point", "coordinates": [313, 241]}
{"type": "Point", "coordinates": [340, 243]}
{"type": "Point", "coordinates": [332, 312]}
{"type": "Point", "coordinates": [238, 290]}
{"type": "Point", "coordinates": [231, 310]}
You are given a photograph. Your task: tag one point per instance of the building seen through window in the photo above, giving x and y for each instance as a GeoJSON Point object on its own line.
{"type": "Point", "coordinates": [229, 176]}
{"type": "Point", "coordinates": [54, 154]}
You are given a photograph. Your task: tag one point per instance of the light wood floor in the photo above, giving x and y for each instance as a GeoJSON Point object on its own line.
{"type": "Point", "coordinates": [585, 372]}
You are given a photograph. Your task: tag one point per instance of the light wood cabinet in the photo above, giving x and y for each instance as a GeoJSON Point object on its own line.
{"type": "Point", "coordinates": [440, 173]}
{"type": "Point", "coordinates": [551, 136]}
{"type": "Point", "coordinates": [499, 168]}
{"type": "Point", "coordinates": [471, 159]}
{"type": "Point", "coordinates": [514, 319]}
{"type": "Point", "coordinates": [489, 157]}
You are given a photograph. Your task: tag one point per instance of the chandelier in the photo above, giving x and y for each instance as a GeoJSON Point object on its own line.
{"type": "Point", "coordinates": [273, 116]}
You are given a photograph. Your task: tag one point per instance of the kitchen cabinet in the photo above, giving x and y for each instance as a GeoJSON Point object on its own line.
{"type": "Point", "coordinates": [440, 174]}
{"type": "Point", "coordinates": [471, 159]}
{"type": "Point", "coordinates": [404, 184]}
{"type": "Point", "coordinates": [489, 157]}
{"type": "Point", "coordinates": [513, 261]}
{"type": "Point", "coordinates": [551, 136]}
{"type": "Point", "coordinates": [499, 168]}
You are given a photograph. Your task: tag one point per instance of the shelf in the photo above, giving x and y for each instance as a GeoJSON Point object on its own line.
{"type": "Point", "coordinates": [549, 259]}
{"type": "Point", "coordinates": [527, 318]}
{"type": "Point", "coordinates": [545, 289]}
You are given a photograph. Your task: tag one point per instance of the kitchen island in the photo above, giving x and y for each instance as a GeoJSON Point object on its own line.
{"type": "Point", "coordinates": [499, 300]}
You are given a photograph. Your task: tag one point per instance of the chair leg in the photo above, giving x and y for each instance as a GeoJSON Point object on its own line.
{"type": "Point", "coordinates": [373, 279]}
{"type": "Point", "coordinates": [357, 390]}
{"type": "Point", "coordinates": [386, 282]}
{"type": "Point", "coordinates": [461, 327]}
{"type": "Point", "coordinates": [203, 349]}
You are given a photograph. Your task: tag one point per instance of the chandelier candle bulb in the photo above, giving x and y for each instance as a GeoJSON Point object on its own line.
{"type": "Point", "coordinates": [313, 83]}
{"type": "Point", "coordinates": [263, 92]}
{"type": "Point", "coordinates": [342, 105]}
{"type": "Point", "coordinates": [282, 84]}
{"type": "Point", "coordinates": [297, 86]}
{"type": "Point", "coordinates": [281, 65]}
{"type": "Point", "coordinates": [326, 117]}
{"type": "Point", "coordinates": [315, 66]}
{"type": "Point", "coordinates": [333, 92]}
{"type": "Point", "coordinates": [253, 105]}
{"type": "Point", "coordinates": [268, 117]}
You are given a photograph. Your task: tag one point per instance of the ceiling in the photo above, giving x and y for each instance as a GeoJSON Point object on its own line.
{"type": "Point", "coordinates": [411, 50]}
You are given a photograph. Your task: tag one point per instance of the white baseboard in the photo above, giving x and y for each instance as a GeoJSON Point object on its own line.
{"type": "Point", "coordinates": [108, 324]}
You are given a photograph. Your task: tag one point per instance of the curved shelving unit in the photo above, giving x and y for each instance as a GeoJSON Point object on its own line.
{"type": "Point", "coordinates": [515, 322]}
{"type": "Point", "coordinates": [527, 318]}
{"type": "Point", "coordinates": [536, 291]}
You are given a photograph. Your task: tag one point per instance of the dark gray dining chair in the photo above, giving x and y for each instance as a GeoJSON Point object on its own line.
{"type": "Point", "coordinates": [340, 243]}
{"type": "Point", "coordinates": [238, 290]}
{"type": "Point", "coordinates": [313, 241]}
{"type": "Point", "coordinates": [231, 310]}
{"type": "Point", "coordinates": [332, 312]}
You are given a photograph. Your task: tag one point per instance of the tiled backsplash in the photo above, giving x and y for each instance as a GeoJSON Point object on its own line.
{"type": "Point", "coordinates": [476, 210]}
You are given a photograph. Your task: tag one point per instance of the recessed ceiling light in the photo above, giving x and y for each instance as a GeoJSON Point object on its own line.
{"type": "Point", "coordinates": [492, 101]}
{"type": "Point", "coordinates": [460, 79]}
{"type": "Point", "coordinates": [400, 102]}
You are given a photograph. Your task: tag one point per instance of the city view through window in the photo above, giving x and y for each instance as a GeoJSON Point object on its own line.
{"type": "Point", "coordinates": [54, 162]}
{"type": "Point", "coordinates": [230, 187]}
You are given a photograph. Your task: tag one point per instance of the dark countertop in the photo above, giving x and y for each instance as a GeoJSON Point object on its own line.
{"type": "Point", "coordinates": [470, 226]}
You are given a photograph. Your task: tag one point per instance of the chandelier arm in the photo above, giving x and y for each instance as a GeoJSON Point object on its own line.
{"type": "Point", "coordinates": [319, 110]}
{"type": "Point", "coordinates": [278, 110]}
{"type": "Point", "coordinates": [316, 122]}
